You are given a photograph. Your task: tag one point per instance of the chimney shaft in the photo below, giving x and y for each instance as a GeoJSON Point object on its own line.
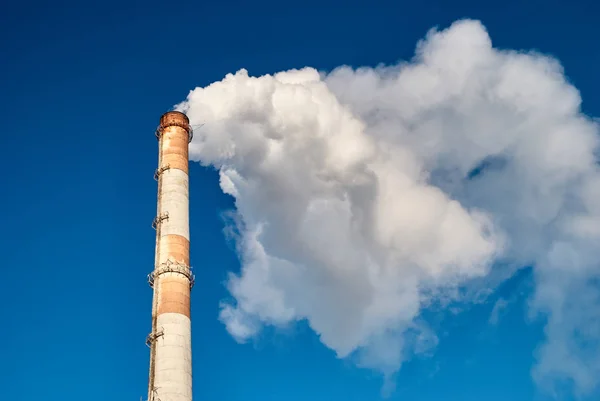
{"type": "Point", "coordinates": [170, 376]}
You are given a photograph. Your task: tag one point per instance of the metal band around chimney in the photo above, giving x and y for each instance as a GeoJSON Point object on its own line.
{"type": "Point", "coordinates": [172, 267]}
{"type": "Point", "coordinates": [159, 171]}
{"type": "Point", "coordinates": [158, 219]}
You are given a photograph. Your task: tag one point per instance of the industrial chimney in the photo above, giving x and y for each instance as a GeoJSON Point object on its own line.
{"type": "Point", "coordinates": [170, 376]}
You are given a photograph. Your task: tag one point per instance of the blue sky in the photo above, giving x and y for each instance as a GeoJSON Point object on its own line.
{"type": "Point", "coordinates": [83, 88]}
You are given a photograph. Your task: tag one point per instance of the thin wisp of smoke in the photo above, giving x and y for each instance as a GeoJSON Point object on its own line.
{"type": "Point", "coordinates": [364, 195]}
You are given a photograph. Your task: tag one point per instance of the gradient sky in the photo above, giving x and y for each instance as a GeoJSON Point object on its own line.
{"type": "Point", "coordinates": [82, 90]}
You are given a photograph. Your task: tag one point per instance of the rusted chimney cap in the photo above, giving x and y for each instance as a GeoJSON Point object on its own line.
{"type": "Point", "coordinates": [174, 118]}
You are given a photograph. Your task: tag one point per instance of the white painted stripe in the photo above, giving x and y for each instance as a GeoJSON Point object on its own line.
{"type": "Point", "coordinates": [173, 374]}
{"type": "Point", "coordinates": [175, 202]}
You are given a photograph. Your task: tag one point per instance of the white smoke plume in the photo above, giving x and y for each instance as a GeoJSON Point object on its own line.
{"type": "Point", "coordinates": [363, 196]}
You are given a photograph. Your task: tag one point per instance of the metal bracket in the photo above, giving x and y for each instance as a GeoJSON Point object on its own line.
{"type": "Point", "coordinates": [187, 127]}
{"type": "Point", "coordinates": [172, 267]}
{"type": "Point", "coordinates": [159, 219]}
{"type": "Point", "coordinates": [160, 170]}
{"type": "Point", "coordinates": [154, 395]}
{"type": "Point", "coordinates": [153, 336]}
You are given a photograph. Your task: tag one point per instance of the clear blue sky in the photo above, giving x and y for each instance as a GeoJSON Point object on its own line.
{"type": "Point", "coordinates": [83, 86]}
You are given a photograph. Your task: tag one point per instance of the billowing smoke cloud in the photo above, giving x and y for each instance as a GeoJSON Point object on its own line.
{"type": "Point", "coordinates": [365, 195]}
